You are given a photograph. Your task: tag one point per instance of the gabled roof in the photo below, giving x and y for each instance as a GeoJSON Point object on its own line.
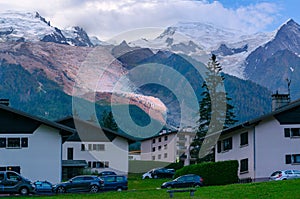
{"type": "Point", "coordinates": [16, 121]}
{"type": "Point", "coordinates": [89, 131]}
{"type": "Point", "coordinates": [288, 114]}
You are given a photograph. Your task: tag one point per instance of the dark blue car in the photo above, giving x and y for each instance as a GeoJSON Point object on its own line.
{"type": "Point", "coordinates": [84, 183]}
{"type": "Point", "coordinates": [43, 187]}
{"type": "Point", "coordinates": [115, 183]}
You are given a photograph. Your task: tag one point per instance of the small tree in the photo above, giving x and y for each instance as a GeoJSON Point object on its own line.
{"type": "Point", "coordinates": [215, 114]}
{"type": "Point", "coordinates": [108, 121]}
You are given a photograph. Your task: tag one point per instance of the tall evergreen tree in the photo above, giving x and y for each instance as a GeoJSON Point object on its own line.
{"type": "Point", "coordinates": [108, 121]}
{"type": "Point", "coordinates": [215, 112]}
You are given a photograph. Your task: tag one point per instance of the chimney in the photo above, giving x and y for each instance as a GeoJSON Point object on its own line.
{"type": "Point", "coordinates": [4, 102]}
{"type": "Point", "coordinates": [279, 100]}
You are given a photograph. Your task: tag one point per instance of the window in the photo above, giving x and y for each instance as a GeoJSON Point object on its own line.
{"type": "Point", "coordinates": [165, 146]}
{"type": "Point", "coordinates": [159, 148]}
{"type": "Point", "coordinates": [165, 155]}
{"type": "Point", "coordinates": [106, 164]}
{"type": "Point", "coordinates": [82, 147]}
{"type": "Point", "coordinates": [224, 145]}
{"type": "Point", "coordinates": [166, 138]}
{"type": "Point", "coordinates": [244, 165]}
{"type": "Point", "coordinates": [244, 139]}
{"type": "Point", "coordinates": [291, 132]}
{"type": "Point", "coordinates": [70, 154]}
{"type": "Point", "coordinates": [153, 157]}
{"type": "Point", "coordinates": [101, 147]}
{"type": "Point", "coordinates": [159, 156]}
{"type": "Point", "coordinates": [159, 139]}
{"type": "Point", "coordinates": [153, 149]}
{"type": "Point", "coordinates": [292, 159]}
{"type": "Point", "coordinates": [227, 144]}
{"type": "Point", "coordinates": [2, 142]}
{"type": "Point", "coordinates": [24, 142]}
{"type": "Point", "coordinates": [89, 164]}
{"type": "Point", "coordinates": [153, 141]}
{"type": "Point", "coordinates": [13, 143]}
{"type": "Point", "coordinates": [295, 132]}
{"type": "Point", "coordinates": [90, 147]}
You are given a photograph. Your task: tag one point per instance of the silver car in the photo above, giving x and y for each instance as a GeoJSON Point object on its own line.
{"type": "Point", "coordinates": [285, 175]}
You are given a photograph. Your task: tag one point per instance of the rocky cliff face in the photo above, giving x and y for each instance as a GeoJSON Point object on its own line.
{"type": "Point", "coordinates": [277, 60]}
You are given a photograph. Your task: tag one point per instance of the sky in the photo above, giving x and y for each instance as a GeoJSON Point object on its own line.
{"type": "Point", "coordinates": [109, 18]}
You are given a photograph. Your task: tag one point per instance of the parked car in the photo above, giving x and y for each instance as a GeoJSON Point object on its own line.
{"type": "Point", "coordinates": [189, 180]}
{"type": "Point", "coordinates": [43, 187]}
{"type": "Point", "coordinates": [159, 173]}
{"type": "Point", "coordinates": [12, 182]}
{"type": "Point", "coordinates": [115, 182]}
{"type": "Point", "coordinates": [285, 175]}
{"type": "Point", "coordinates": [106, 173]}
{"type": "Point", "coordinates": [83, 183]}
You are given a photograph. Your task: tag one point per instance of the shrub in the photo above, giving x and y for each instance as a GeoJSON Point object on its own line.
{"type": "Point", "coordinates": [213, 173]}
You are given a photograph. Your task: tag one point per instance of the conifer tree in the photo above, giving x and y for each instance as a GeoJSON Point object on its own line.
{"type": "Point", "coordinates": [215, 111]}
{"type": "Point", "coordinates": [108, 121]}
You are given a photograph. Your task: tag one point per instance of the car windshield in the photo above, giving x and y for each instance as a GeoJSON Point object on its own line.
{"type": "Point", "coordinates": [276, 173]}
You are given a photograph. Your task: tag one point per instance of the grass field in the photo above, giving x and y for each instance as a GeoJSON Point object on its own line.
{"type": "Point", "coordinates": [149, 189]}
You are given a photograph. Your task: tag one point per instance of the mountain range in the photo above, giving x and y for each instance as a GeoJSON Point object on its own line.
{"type": "Point", "coordinates": [43, 67]}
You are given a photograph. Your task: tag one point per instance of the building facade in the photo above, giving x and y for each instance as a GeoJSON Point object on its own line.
{"type": "Point", "coordinates": [30, 145]}
{"type": "Point", "coordinates": [167, 146]}
{"type": "Point", "coordinates": [265, 144]}
{"type": "Point", "coordinates": [94, 149]}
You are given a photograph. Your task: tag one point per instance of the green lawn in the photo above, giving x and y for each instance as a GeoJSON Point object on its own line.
{"type": "Point", "coordinates": [149, 189]}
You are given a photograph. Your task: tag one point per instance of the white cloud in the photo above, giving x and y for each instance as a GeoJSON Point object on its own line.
{"type": "Point", "coordinates": [106, 18]}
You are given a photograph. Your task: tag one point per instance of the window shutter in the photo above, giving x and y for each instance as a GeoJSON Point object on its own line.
{"type": "Point", "coordinates": [219, 147]}
{"type": "Point", "coordinates": [287, 132]}
{"type": "Point", "coordinates": [2, 142]}
{"type": "Point", "coordinates": [288, 159]}
{"type": "Point", "coordinates": [24, 142]}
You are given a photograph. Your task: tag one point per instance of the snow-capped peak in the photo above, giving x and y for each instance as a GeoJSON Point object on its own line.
{"type": "Point", "coordinates": [17, 25]}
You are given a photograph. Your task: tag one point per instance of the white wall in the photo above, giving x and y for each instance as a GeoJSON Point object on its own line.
{"type": "Point", "coordinates": [147, 145]}
{"type": "Point", "coordinates": [239, 152]}
{"type": "Point", "coordinates": [41, 160]}
{"type": "Point", "coordinates": [116, 153]}
{"type": "Point", "coordinates": [272, 147]}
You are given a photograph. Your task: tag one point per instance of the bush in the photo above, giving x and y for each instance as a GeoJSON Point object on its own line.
{"type": "Point", "coordinates": [213, 173]}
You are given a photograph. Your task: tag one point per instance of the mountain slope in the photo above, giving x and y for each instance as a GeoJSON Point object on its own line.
{"type": "Point", "coordinates": [277, 60]}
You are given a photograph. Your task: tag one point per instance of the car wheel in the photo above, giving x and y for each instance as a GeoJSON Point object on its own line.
{"type": "Point", "coordinates": [94, 189]}
{"type": "Point", "coordinates": [60, 190]}
{"type": "Point", "coordinates": [147, 177]}
{"type": "Point", "coordinates": [24, 191]}
{"type": "Point", "coordinates": [155, 176]}
{"type": "Point", "coordinates": [119, 189]}
{"type": "Point", "coordinates": [197, 185]}
{"type": "Point", "coordinates": [169, 187]}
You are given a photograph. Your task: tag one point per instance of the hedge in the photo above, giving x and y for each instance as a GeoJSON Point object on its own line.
{"type": "Point", "coordinates": [213, 173]}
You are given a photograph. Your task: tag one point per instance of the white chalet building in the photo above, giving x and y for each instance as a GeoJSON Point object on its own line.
{"type": "Point", "coordinates": [94, 148]}
{"type": "Point", "coordinates": [30, 145]}
{"type": "Point", "coordinates": [265, 144]}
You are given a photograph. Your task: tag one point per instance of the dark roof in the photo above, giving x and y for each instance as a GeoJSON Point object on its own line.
{"type": "Point", "coordinates": [288, 114]}
{"type": "Point", "coordinates": [74, 163]}
{"type": "Point", "coordinates": [17, 121]}
{"type": "Point", "coordinates": [89, 131]}
{"type": "Point", "coordinates": [168, 131]}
